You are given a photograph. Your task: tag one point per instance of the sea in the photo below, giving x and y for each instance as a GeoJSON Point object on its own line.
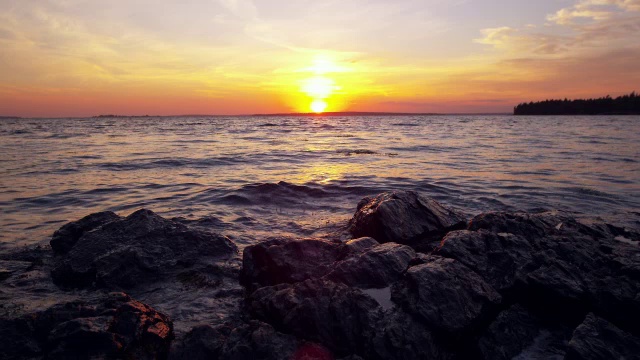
{"type": "Point", "coordinates": [252, 177]}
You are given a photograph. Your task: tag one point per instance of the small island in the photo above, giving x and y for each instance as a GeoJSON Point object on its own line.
{"type": "Point", "coordinates": [622, 105]}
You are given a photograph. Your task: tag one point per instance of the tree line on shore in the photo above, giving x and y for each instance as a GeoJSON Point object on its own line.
{"type": "Point", "coordinates": [621, 105]}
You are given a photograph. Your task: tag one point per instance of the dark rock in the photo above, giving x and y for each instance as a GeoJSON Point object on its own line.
{"type": "Point", "coordinates": [376, 267]}
{"type": "Point", "coordinates": [499, 259]}
{"type": "Point", "coordinates": [203, 342]}
{"type": "Point", "coordinates": [518, 332]}
{"type": "Point", "coordinates": [252, 340]}
{"type": "Point", "coordinates": [597, 338]}
{"type": "Point", "coordinates": [447, 295]}
{"type": "Point", "coordinates": [279, 261]}
{"type": "Point", "coordinates": [110, 325]}
{"type": "Point", "coordinates": [138, 249]}
{"type": "Point", "coordinates": [404, 217]}
{"type": "Point", "coordinates": [335, 315]}
{"type": "Point", "coordinates": [258, 340]}
{"type": "Point", "coordinates": [359, 245]}
{"type": "Point", "coordinates": [401, 336]}
{"type": "Point", "coordinates": [64, 238]}
{"type": "Point", "coordinates": [9, 268]}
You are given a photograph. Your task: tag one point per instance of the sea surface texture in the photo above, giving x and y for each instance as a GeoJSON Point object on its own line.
{"type": "Point", "coordinates": [253, 177]}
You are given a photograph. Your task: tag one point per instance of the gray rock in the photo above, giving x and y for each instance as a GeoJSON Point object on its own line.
{"type": "Point", "coordinates": [499, 259]}
{"type": "Point", "coordinates": [376, 267]}
{"type": "Point", "coordinates": [140, 248]}
{"type": "Point", "coordinates": [447, 295]}
{"type": "Point", "coordinates": [516, 332]}
{"type": "Point", "coordinates": [64, 238]}
{"type": "Point", "coordinates": [334, 315]}
{"type": "Point", "coordinates": [113, 326]}
{"type": "Point", "coordinates": [404, 217]}
{"type": "Point", "coordinates": [597, 338]}
{"type": "Point", "coordinates": [359, 245]}
{"type": "Point", "coordinates": [279, 261]}
{"type": "Point", "coordinates": [400, 336]}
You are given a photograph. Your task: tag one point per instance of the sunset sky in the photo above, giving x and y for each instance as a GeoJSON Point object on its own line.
{"type": "Point", "coordinates": [83, 58]}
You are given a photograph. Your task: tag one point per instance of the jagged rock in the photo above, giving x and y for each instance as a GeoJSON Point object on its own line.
{"type": "Point", "coordinates": [401, 336]}
{"type": "Point", "coordinates": [518, 332]}
{"type": "Point", "coordinates": [64, 238]}
{"type": "Point", "coordinates": [258, 340]}
{"type": "Point", "coordinates": [138, 249]}
{"type": "Point", "coordinates": [376, 267]}
{"type": "Point", "coordinates": [597, 338]}
{"type": "Point", "coordinates": [112, 325]}
{"type": "Point", "coordinates": [446, 294]}
{"type": "Point", "coordinates": [335, 315]}
{"type": "Point", "coordinates": [499, 259]}
{"type": "Point", "coordinates": [202, 342]}
{"type": "Point", "coordinates": [279, 261]}
{"type": "Point", "coordinates": [404, 217]}
{"type": "Point", "coordinates": [359, 245]}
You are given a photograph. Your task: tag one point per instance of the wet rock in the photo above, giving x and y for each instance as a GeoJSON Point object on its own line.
{"type": "Point", "coordinates": [447, 295]}
{"type": "Point", "coordinates": [279, 261]}
{"type": "Point", "coordinates": [335, 315]}
{"type": "Point", "coordinates": [359, 245]}
{"type": "Point", "coordinates": [516, 332]}
{"type": "Point", "coordinates": [401, 336]}
{"type": "Point", "coordinates": [597, 338]}
{"type": "Point", "coordinates": [258, 340]}
{"type": "Point", "coordinates": [252, 340]}
{"type": "Point", "coordinates": [203, 342]}
{"type": "Point", "coordinates": [376, 267]}
{"type": "Point", "coordinates": [9, 268]}
{"type": "Point", "coordinates": [64, 238]}
{"type": "Point", "coordinates": [140, 248]}
{"type": "Point", "coordinates": [112, 325]}
{"type": "Point", "coordinates": [499, 259]}
{"type": "Point", "coordinates": [404, 217]}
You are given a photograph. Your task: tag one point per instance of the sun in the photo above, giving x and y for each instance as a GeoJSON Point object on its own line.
{"type": "Point", "coordinates": [318, 106]}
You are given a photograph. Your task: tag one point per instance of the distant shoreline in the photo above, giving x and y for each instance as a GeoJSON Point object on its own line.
{"type": "Point", "coordinates": [325, 114]}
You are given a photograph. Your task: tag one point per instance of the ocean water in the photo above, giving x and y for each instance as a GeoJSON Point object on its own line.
{"type": "Point", "coordinates": [253, 177]}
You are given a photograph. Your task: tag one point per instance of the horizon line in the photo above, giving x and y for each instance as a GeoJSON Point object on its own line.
{"type": "Point", "coordinates": [328, 113]}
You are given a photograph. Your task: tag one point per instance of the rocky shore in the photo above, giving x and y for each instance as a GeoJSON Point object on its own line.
{"type": "Point", "coordinates": [416, 280]}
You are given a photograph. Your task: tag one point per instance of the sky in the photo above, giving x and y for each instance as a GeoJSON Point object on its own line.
{"type": "Point", "coordinates": [64, 58]}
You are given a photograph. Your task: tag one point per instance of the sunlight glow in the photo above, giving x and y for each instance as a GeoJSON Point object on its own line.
{"type": "Point", "coordinates": [318, 106]}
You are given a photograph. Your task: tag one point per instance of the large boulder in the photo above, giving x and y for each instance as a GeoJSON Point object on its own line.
{"type": "Point", "coordinates": [279, 261]}
{"type": "Point", "coordinates": [68, 235]}
{"type": "Point", "coordinates": [400, 336]}
{"type": "Point", "coordinates": [104, 326]}
{"type": "Point", "coordinates": [335, 315]}
{"type": "Point", "coordinates": [244, 341]}
{"type": "Point", "coordinates": [404, 217]}
{"type": "Point", "coordinates": [517, 332]}
{"type": "Point", "coordinates": [138, 249]}
{"type": "Point", "coordinates": [498, 258]}
{"type": "Point", "coordinates": [597, 338]}
{"type": "Point", "coordinates": [447, 295]}
{"type": "Point", "coordinates": [376, 267]}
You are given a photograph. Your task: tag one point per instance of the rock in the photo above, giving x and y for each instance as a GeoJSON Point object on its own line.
{"type": "Point", "coordinates": [404, 217]}
{"type": "Point", "coordinates": [359, 245]}
{"type": "Point", "coordinates": [499, 259]}
{"type": "Point", "coordinates": [252, 340]}
{"type": "Point", "coordinates": [64, 238]}
{"type": "Point", "coordinates": [335, 315]}
{"type": "Point", "coordinates": [259, 341]}
{"type": "Point", "coordinates": [516, 332]}
{"type": "Point", "coordinates": [401, 336]}
{"type": "Point", "coordinates": [597, 338]}
{"type": "Point", "coordinates": [447, 295]}
{"type": "Point", "coordinates": [9, 268]}
{"type": "Point", "coordinates": [112, 325]}
{"type": "Point", "coordinates": [203, 342]}
{"type": "Point", "coordinates": [279, 261]}
{"type": "Point", "coordinates": [138, 249]}
{"type": "Point", "coordinates": [376, 267]}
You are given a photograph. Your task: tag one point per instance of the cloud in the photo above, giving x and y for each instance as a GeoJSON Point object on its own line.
{"type": "Point", "coordinates": [595, 10]}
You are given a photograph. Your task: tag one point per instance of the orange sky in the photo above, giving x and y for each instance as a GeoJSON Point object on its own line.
{"type": "Point", "coordinates": [83, 58]}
